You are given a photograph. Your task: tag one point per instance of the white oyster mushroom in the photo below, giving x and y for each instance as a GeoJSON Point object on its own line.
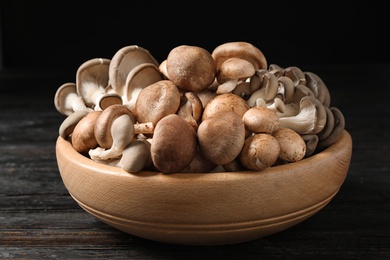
{"type": "Point", "coordinates": [311, 118]}
{"type": "Point", "coordinates": [91, 83]}
{"type": "Point", "coordinates": [67, 100]}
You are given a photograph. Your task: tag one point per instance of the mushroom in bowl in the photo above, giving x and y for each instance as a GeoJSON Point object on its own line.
{"type": "Point", "coordinates": [190, 164]}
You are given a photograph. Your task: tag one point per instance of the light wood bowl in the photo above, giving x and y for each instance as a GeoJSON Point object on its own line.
{"type": "Point", "coordinates": [205, 208]}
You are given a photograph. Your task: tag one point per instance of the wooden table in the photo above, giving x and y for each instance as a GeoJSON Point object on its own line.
{"type": "Point", "coordinates": [38, 218]}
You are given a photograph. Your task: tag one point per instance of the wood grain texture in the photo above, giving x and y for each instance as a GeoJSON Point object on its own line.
{"type": "Point", "coordinates": [210, 208]}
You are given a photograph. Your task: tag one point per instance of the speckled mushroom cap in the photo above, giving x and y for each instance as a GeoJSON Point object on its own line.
{"type": "Point", "coordinates": [191, 68]}
{"type": "Point", "coordinates": [156, 101]}
{"type": "Point", "coordinates": [174, 144]}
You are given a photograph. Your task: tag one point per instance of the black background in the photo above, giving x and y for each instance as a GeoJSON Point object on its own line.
{"type": "Point", "coordinates": [60, 35]}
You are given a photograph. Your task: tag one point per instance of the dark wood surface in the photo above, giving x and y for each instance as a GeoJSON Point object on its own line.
{"type": "Point", "coordinates": [38, 218]}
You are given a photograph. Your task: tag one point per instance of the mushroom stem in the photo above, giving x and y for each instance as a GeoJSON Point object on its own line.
{"type": "Point", "coordinates": [122, 131]}
{"type": "Point", "coordinates": [143, 128]}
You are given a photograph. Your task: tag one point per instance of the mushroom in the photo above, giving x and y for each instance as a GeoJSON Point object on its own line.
{"type": "Point", "coordinates": [199, 165]}
{"type": "Point", "coordinates": [138, 78]}
{"type": "Point", "coordinates": [225, 102]}
{"type": "Point", "coordinates": [286, 88]}
{"type": "Point", "coordinates": [292, 145]}
{"type": "Point", "coordinates": [243, 89]}
{"type": "Point", "coordinates": [67, 126]}
{"type": "Point", "coordinates": [267, 89]}
{"type": "Point", "coordinates": [234, 166]}
{"type": "Point", "coordinates": [329, 125]}
{"type": "Point", "coordinates": [190, 108]}
{"type": "Point", "coordinates": [114, 130]}
{"type": "Point", "coordinates": [205, 96]}
{"type": "Point", "coordinates": [157, 101]}
{"type": "Point", "coordinates": [277, 105]}
{"type": "Point", "coordinates": [232, 72]}
{"type": "Point", "coordinates": [221, 136]}
{"type": "Point", "coordinates": [259, 152]}
{"type": "Point", "coordinates": [191, 68]}
{"type": "Point", "coordinates": [67, 100]}
{"type": "Point", "coordinates": [174, 144]}
{"type": "Point", "coordinates": [136, 156]}
{"type": "Point", "coordinates": [339, 126]}
{"type": "Point", "coordinates": [83, 137]}
{"type": "Point", "coordinates": [260, 120]}
{"type": "Point", "coordinates": [317, 85]}
{"type": "Point", "coordinates": [311, 118]}
{"type": "Point", "coordinates": [91, 83]}
{"type": "Point", "coordinates": [295, 74]}
{"type": "Point", "coordinates": [241, 50]}
{"type": "Point", "coordinates": [311, 141]}
{"type": "Point", "coordinates": [123, 61]}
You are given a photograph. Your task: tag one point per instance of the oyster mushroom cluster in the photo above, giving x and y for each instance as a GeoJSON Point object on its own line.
{"type": "Point", "coordinates": [196, 111]}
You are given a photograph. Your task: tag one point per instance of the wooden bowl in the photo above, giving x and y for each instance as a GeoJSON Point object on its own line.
{"type": "Point", "coordinates": [205, 208]}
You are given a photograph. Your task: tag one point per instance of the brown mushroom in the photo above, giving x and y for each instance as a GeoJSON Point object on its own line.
{"type": "Point", "coordinates": [221, 136]}
{"type": "Point", "coordinates": [259, 152]}
{"type": "Point", "coordinates": [241, 50]}
{"type": "Point", "coordinates": [225, 102]}
{"type": "Point", "coordinates": [292, 145]}
{"type": "Point", "coordinates": [67, 126]}
{"type": "Point", "coordinates": [83, 137]}
{"type": "Point", "coordinates": [114, 130]}
{"type": "Point", "coordinates": [191, 68]}
{"type": "Point", "coordinates": [157, 101]}
{"type": "Point", "coordinates": [139, 78]}
{"type": "Point", "coordinates": [232, 72]}
{"type": "Point", "coordinates": [174, 144]}
{"type": "Point", "coordinates": [190, 108]}
{"type": "Point", "coordinates": [260, 120]}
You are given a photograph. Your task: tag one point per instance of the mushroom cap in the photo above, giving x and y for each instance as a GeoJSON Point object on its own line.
{"type": "Point", "coordinates": [157, 101]}
{"type": "Point", "coordinates": [225, 102]}
{"type": "Point", "coordinates": [318, 86]}
{"type": "Point", "coordinates": [65, 95]}
{"type": "Point", "coordinates": [92, 77]}
{"type": "Point", "coordinates": [140, 77]}
{"type": "Point", "coordinates": [104, 122]}
{"type": "Point", "coordinates": [292, 145]}
{"type": "Point", "coordinates": [259, 152]}
{"type": "Point", "coordinates": [191, 68]}
{"type": "Point", "coordinates": [123, 61]}
{"type": "Point", "coordinates": [67, 126]}
{"type": "Point", "coordinates": [242, 50]}
{"type": "Point", "coordinates": [174, 144]}
{"type": "Point", "coordinates": [83, 136]}
{"type": "Point", "coordinates": [311, 118]}
{"type": "Point", "coordinates": [136, 156]}
{"type": "Point", "coordinates": [235, 68]}
{"type": "Point", "coordinates": [260, 120]}
{"type": "Point", "coordinates": [221, 137]}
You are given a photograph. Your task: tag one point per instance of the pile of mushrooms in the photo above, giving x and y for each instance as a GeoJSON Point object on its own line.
{"type": "Point", "coordinates": [196, 111]}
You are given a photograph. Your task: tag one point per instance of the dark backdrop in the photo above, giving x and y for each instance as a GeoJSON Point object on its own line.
{"type": "Point", "coordinates": [60, 35]}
